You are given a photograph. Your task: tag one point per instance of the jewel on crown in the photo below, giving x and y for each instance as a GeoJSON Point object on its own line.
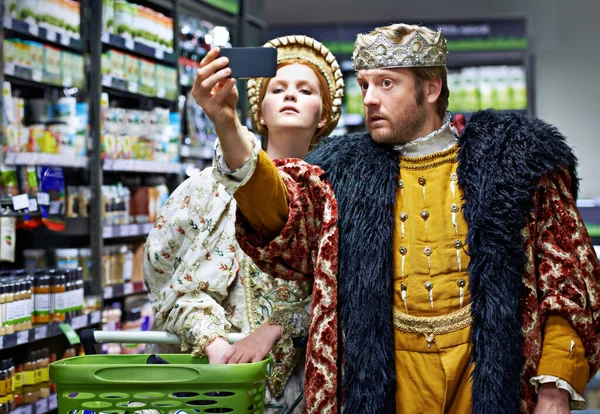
{"type": "Point", "coordinates": [415, 52]}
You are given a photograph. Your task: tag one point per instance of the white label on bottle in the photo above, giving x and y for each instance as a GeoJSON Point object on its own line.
{"type": "Point", "coordinates": [51, 35]}
{"type": "Point", "coordinates": [22, 337]}
{"type": "Point", "coordinates": [59, 302]}
{"type": "Point", "coordinates": [41, 332]}
{"type": "Point", "coordinates": [42, 302]}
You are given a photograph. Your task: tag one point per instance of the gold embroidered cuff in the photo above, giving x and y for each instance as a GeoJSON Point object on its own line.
{"type": "Point", "coordinates": [196, 335]}
{"type": "Point", "coordinates": [294, 321]}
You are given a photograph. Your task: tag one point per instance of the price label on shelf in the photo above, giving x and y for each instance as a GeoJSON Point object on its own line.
{"type": "Point", "coordinates": [128, 289]}
{"type": "Point", "coordinates": [159, 53]}
{"type": "Point", "coordinates": [27, 409]}
{"type": "Point", "coordinates": [132, 86]}
{"type": "Point", "coordinates": [41, 332]}
{"type": "Point", "coordinates": [51, 35]}
{"type": "Point", "coordinates": [79, 322]}
{"type": "Point", "coordinates": [8, 22]}
{"type": "Point", "coordinates": [108, 292]}
{"type": "Point", "coordinates": [43, 199]}
{"type": "Point", "coordinates": [41, 406]}
{"type": "Point", "coordinates": [22, 337]}
{"type": "Point", "coordinates": [33, 205]}
{"type": "Point", "coordinates": [105, 37]}
{"type": "Point", "coordinates": [1, 342]}
{"type": "Point", "coordinates": [161, 92]}
{"type": "Point", "coordinates": [54, 207]}
{"type": "Point", "coordinates": [95, 317]}
{"type": "Point", "coordinates": [129, 44]}
{"type": "Point", "coordinates": [9, 68]}
{"type": "Point", "coordinates": [67, 81]}
{"type": "Point", "coordinates": [65, 40]}
{"type": "Point", "coordinates": [34, 30]}
{"type": "Point", "coordinates": [20, 202]}
{"type": "Point", "coordinates": [107, 81]}
{"type": "Point", "coordinates": [52, 402]}
{"type": "Point", "coordinates": [37, 75]}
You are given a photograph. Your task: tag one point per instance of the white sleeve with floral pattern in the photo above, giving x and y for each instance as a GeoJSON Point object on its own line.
{"type": "Point", "coordinates": [190, 261]}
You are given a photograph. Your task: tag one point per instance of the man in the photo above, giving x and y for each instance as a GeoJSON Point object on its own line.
{"type": "Point", "coordinates": [467, 281]}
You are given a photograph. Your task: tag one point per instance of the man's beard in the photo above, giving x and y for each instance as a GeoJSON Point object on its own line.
{"type": "Point", "coordinates": [402, 128]}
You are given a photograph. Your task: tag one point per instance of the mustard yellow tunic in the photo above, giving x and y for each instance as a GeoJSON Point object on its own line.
{"type": "Point", "coordinates": [430, 279]}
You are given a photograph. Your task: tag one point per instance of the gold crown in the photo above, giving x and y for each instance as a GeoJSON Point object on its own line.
{"type": "Point", "coordinates": [415, 52]}
{"type": "Point", "coordinates": [307, 49]}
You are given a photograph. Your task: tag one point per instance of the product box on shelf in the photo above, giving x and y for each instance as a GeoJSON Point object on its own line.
{"type": "Point", "coordinates": [52, 60]}
{"type": "Point", "coordinates": [78, 70]}
{"type": "Point", "coordinates": [132, 69]}
{"type": "Point", "coordinates": [36, 54]}
{"type": "Point", "coordinates": [148, 81]}
{"type": "Point", "coordinates": [107, 15]}
{"type": "Point", "coordinates": [123, 17]}
{"type": "Point", "coordinates": [117, 61]}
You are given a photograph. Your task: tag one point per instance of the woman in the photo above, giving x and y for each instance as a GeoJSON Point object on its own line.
{"type": "Point", "coordinates": [202, 286]}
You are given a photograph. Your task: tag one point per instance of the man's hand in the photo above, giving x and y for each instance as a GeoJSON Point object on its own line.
{"type": "Point", "coordinates": [214, 91]}
{"type": "Point", "coordinates": [552, 400]}
{"type": "Point", "coordinates": [216, 349]}
{"type": "Point", "coordinates": [254, 347]}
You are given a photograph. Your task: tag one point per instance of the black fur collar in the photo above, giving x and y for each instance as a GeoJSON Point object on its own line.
{"type": "Point", "coordinates": [501, 159]}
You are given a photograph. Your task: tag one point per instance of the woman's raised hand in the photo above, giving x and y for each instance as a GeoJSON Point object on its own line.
{"type": "Point", "coordinates": [215, 92]}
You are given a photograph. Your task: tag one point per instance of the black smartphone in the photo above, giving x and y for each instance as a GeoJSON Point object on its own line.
{"type": "Point", "coordinates": [251, 62]}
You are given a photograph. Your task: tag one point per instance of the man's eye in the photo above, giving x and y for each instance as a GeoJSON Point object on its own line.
{"type": "Point", "coordinates": [387, 83]}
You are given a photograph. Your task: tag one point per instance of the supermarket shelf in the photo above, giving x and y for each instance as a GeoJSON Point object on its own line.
{"type": "Point", "coordinates": [142, 166]}
{"type": "Point", "coordinates": [158, 54]}
{"type": "Point", "coordinates": [42, 34]}
{"type": "Point", "coordinates": [126, 230]}
{"type": "Point", "coordinates": [47, 331]}
{"type": "Point", "coordinates": [27, 158]}
{"type": "Point", "coordinates": [487, 58]}
{"type": "Point", "coordinates": [120, 87]}
{"type": "Point", "coordinates": [125, 289]}
{"type": "Point", "coordinates": [203, 153]}
{"type": "Point", "coordinates": [24, 76]}
{"type": "Point", "coordinates": [43, 406]}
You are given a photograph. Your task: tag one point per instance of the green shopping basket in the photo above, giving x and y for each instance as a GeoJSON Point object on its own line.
{"type": "Point", "coordinates": [127, 384]}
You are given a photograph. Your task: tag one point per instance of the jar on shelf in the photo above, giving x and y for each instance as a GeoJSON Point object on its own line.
{"type": "Point", "coordinates": [67, 258]}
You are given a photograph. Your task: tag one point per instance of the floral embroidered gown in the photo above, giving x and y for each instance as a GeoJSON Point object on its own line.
{"type": "Point", "coordinates": [202, 286]}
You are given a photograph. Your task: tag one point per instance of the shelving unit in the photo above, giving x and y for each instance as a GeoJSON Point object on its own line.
{"type": "Point", "coordinates": [95, 168]}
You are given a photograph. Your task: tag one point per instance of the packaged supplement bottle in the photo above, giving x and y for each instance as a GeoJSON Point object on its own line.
{"type": "Point", "coordinates": [42, 298]}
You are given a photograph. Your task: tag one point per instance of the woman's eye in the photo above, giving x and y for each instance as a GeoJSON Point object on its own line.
{"type": "Point", "coordinates": [277, 90]}
{"type": "Point", "coordinates": [306, 91]}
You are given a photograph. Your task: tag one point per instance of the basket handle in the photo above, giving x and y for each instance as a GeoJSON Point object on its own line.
{"type": "Point", "coordinates": [91, 337]}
